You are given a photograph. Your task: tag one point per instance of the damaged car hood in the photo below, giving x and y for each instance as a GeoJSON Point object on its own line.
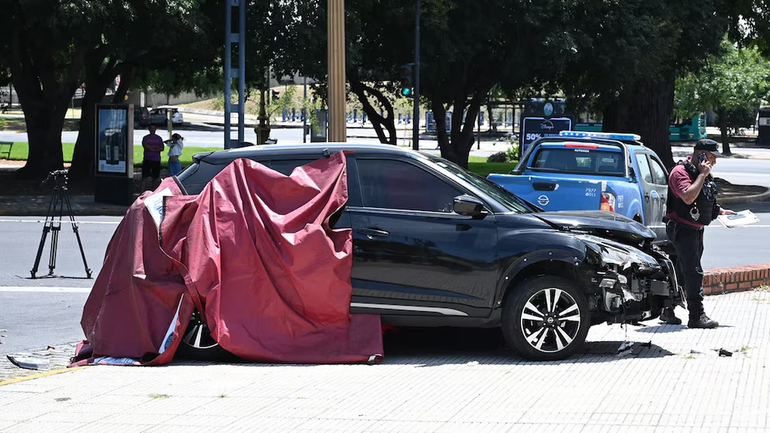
{"type": "Point", "coordinates": [598, 223]}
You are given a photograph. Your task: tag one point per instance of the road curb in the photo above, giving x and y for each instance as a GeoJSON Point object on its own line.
{"type": "Point", "coordinates": [735, 279]}
{"type": "Point", "coordinates": [41, 375]}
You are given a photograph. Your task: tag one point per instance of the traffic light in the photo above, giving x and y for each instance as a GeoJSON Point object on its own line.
{"type": "Point", "coordinates": [275, 95]}
{"type": "Point", "coordinates": [406, 80]}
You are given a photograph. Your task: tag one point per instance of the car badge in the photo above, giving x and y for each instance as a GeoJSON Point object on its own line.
{"type": "Point", "coordinates": [543, 200]}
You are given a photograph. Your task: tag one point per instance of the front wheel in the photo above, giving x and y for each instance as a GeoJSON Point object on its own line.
{"type": "Point", "coordinates": [546, 318]}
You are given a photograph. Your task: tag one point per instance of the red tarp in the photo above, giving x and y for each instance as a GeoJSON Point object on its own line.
{"type": "Point", "coordinates": [254, 252]}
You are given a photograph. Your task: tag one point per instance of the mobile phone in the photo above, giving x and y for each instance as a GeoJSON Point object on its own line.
{"type": "Point", "coordinates": [702, 157]}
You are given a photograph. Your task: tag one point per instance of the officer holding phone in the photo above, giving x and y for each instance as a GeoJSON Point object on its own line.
{"type": "Point", "coordinates": [692, 205]}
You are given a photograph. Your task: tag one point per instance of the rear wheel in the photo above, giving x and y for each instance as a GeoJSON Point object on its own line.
{"type": "Point", "coordinates": [197, 342]}
{"type": "Point", "coordinates": [546, 318]}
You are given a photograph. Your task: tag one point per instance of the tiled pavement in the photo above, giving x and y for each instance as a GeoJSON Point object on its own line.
{"type": "Point", "coordinates": [677, 384]}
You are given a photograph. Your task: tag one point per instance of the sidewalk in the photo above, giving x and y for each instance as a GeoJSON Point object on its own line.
{"type": "Point", "coordinates": [672, 379]}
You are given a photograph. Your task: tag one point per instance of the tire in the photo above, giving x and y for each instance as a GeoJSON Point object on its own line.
{"type": "Point", "coordinates": [539, 333]}
{"type": "Point", "coordinates": [197, 343]}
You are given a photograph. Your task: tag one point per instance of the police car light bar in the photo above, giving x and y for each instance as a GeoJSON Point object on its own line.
{"type": "Point", "coordinates": [605, 135]}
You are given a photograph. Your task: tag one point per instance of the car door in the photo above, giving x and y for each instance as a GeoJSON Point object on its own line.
{"type": "Point", "coordinates": [653, 193]}
{"type": "Point", "coordinates": [660, 182]}
{"type": "Point", "coordinates": [413, 255]}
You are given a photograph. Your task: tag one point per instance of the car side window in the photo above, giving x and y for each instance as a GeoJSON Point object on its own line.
{"type": "Point", "coordinates": [658, 172]}
{"type": "Point", "coordinates": [390, 184]}
{"type": "Point", "coordinates": [286, 166]}
{"type": "Point", "coordinates": [644, 167]}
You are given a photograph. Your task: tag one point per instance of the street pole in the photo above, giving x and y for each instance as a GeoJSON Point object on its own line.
{"type": "Point", "coordinates": [304, 110]}
{"type": "Point", "coordinates": [230, 72]}
{"type": "Point", "coordinates": [228, 69]}
{"type": "Point", "coordinates": [336, 62]}
{"type": "Point", "coordinates": [416, 69]}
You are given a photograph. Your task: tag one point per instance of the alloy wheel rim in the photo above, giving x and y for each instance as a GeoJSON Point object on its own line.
{"type": "Point", "coordinates": [550, 320]}
{"type": "Point", "coordinates": [198, 335]}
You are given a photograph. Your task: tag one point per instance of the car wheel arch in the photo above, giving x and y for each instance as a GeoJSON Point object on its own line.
{"type": "Point", "coordinates": [559, 265]}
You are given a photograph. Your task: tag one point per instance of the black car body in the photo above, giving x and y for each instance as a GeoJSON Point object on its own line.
{"type": "Point", "coordinates": [436, 245]}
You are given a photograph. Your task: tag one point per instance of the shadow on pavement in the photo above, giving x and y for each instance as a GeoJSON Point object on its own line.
{"type": "Point", "coordinates": [432, 347]}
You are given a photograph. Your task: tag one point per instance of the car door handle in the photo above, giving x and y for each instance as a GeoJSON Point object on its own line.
{"type": "Point", "coordinates": [372, 233]}
{"type": "Point", "coordinates": [646, 197]}
{"type": "Point", "coordinates": [544, 186]}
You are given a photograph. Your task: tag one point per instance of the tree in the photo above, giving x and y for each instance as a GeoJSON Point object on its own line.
{"type": "Point", "coordinates": [55, 46]}
{"type": "Point", "coordinates": [45, 50]}
{"type": "Point", "coordinates": [735, 79]}
{"type": "Point", "coordinates": [628, 55]}
{"type": "Point", "coordinates": [167, 45]}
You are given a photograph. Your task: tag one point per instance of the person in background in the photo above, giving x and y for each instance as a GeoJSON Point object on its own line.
{"type": "Point", "coordinates": [153, 146]}
{"type": "Point", "coordinates": [692, 205]}
{"type": "Point", "coordinates": [175, 146]}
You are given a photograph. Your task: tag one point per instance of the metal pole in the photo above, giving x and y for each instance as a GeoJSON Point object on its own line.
{"type": "Point", "coordinates": [241, 72]}
{"type": "Point", "coordinates": [228, 69]}
{"type": "Point", "coordinates": [478, 129]}
{"type": "Point", "coordinates": [416, 69]}
{"type": "Point", "coordinates": [304, 111]}
{"type": "Point", "coordinates": [336, 64]}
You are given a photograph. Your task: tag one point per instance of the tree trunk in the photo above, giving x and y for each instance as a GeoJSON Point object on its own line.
{"type": "Point", "coordinates": [463, 120]}
{"type": "Point", "coordinates": [723, 130]}
{"type": "Point", "coordinates": [44, 94]}
{"type": "Point", "coordinates": [98, 77]}
{"type": "Point", "coordinates": [44, 126]}
{"type": "Point", "coordinates": [645, 109]}
{"type": "Point", "coordinates": [377, 120]}
{"type": "Point", "coordinates": [439, 115]}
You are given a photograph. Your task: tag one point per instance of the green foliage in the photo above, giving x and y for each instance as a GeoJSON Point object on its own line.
{"type": "Point", "coordinates": [513, 149]}
{"type": "Point", "coordinates": [734, 79]}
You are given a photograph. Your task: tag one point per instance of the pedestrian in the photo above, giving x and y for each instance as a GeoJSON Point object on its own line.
{"type": "Point", "coordinates": [175, 146]}
{"type": "Point", "coordinates": [153, 146]}
{"type": "Point", "coordinates": [692, 205]}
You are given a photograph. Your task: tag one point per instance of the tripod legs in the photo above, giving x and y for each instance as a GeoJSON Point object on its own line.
{"type": "Point", "coordinates": [59, 199]}
{"type": "Point", "coordinates": [77, 234]}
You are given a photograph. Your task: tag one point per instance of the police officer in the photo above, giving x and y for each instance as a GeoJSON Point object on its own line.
{"type": "Point", "coordinates": [692, 205]}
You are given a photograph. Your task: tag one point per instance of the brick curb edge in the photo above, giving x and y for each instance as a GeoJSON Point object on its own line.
{"type": "Point", "coordinates": [735, 279]}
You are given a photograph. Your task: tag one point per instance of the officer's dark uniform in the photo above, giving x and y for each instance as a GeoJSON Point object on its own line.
{"type": "Point", "coordinates": [684, 227]}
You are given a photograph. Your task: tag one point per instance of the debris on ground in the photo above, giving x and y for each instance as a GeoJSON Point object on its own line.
{"type": "Point", "coordinates": [28, 362]}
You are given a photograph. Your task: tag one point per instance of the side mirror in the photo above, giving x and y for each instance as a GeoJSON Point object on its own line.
{"type": "Point", "coordinates": [466, 205]}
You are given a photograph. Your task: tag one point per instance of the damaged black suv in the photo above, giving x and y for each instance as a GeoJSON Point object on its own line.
{"type": "Point", "coordinates": [436, 245]}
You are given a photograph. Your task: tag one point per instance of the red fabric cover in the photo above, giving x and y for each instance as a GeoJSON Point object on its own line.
{"type": "Point", "coordinates": [255, 253]}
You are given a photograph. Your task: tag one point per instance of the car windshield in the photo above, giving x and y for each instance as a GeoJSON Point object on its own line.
{"type": "Point", "coordinates": [505, 198]}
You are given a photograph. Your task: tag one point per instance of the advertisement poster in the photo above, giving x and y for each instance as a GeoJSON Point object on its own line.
{"type": "Point", "coordinates": [534, 128]}
{"type": "Point", "coordinates": [112, 139]}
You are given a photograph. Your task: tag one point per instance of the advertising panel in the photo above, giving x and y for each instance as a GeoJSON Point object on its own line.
{"type": "Point", "coordinates": [534, 128]}
{"type": "Point", "coordinates": [114, 139]}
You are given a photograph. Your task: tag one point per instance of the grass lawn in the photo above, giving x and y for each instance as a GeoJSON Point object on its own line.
{"type": "Point", "coordinates": [20, 151]}
{"type": "Point", "coordinates": [480, 166]}
{"type": "Point", "coordinates": [476, 164]}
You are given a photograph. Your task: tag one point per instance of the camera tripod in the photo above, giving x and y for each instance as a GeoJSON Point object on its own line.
{"type": "Point", "coordinates": [59, 199]}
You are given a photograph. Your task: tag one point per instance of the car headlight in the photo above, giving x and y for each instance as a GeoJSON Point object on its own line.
{"type": "Point", "coordinates": [614, 253]}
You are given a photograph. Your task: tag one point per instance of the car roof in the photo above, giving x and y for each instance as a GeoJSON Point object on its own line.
{"type": "Point", "coordinates": [288, 150]}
